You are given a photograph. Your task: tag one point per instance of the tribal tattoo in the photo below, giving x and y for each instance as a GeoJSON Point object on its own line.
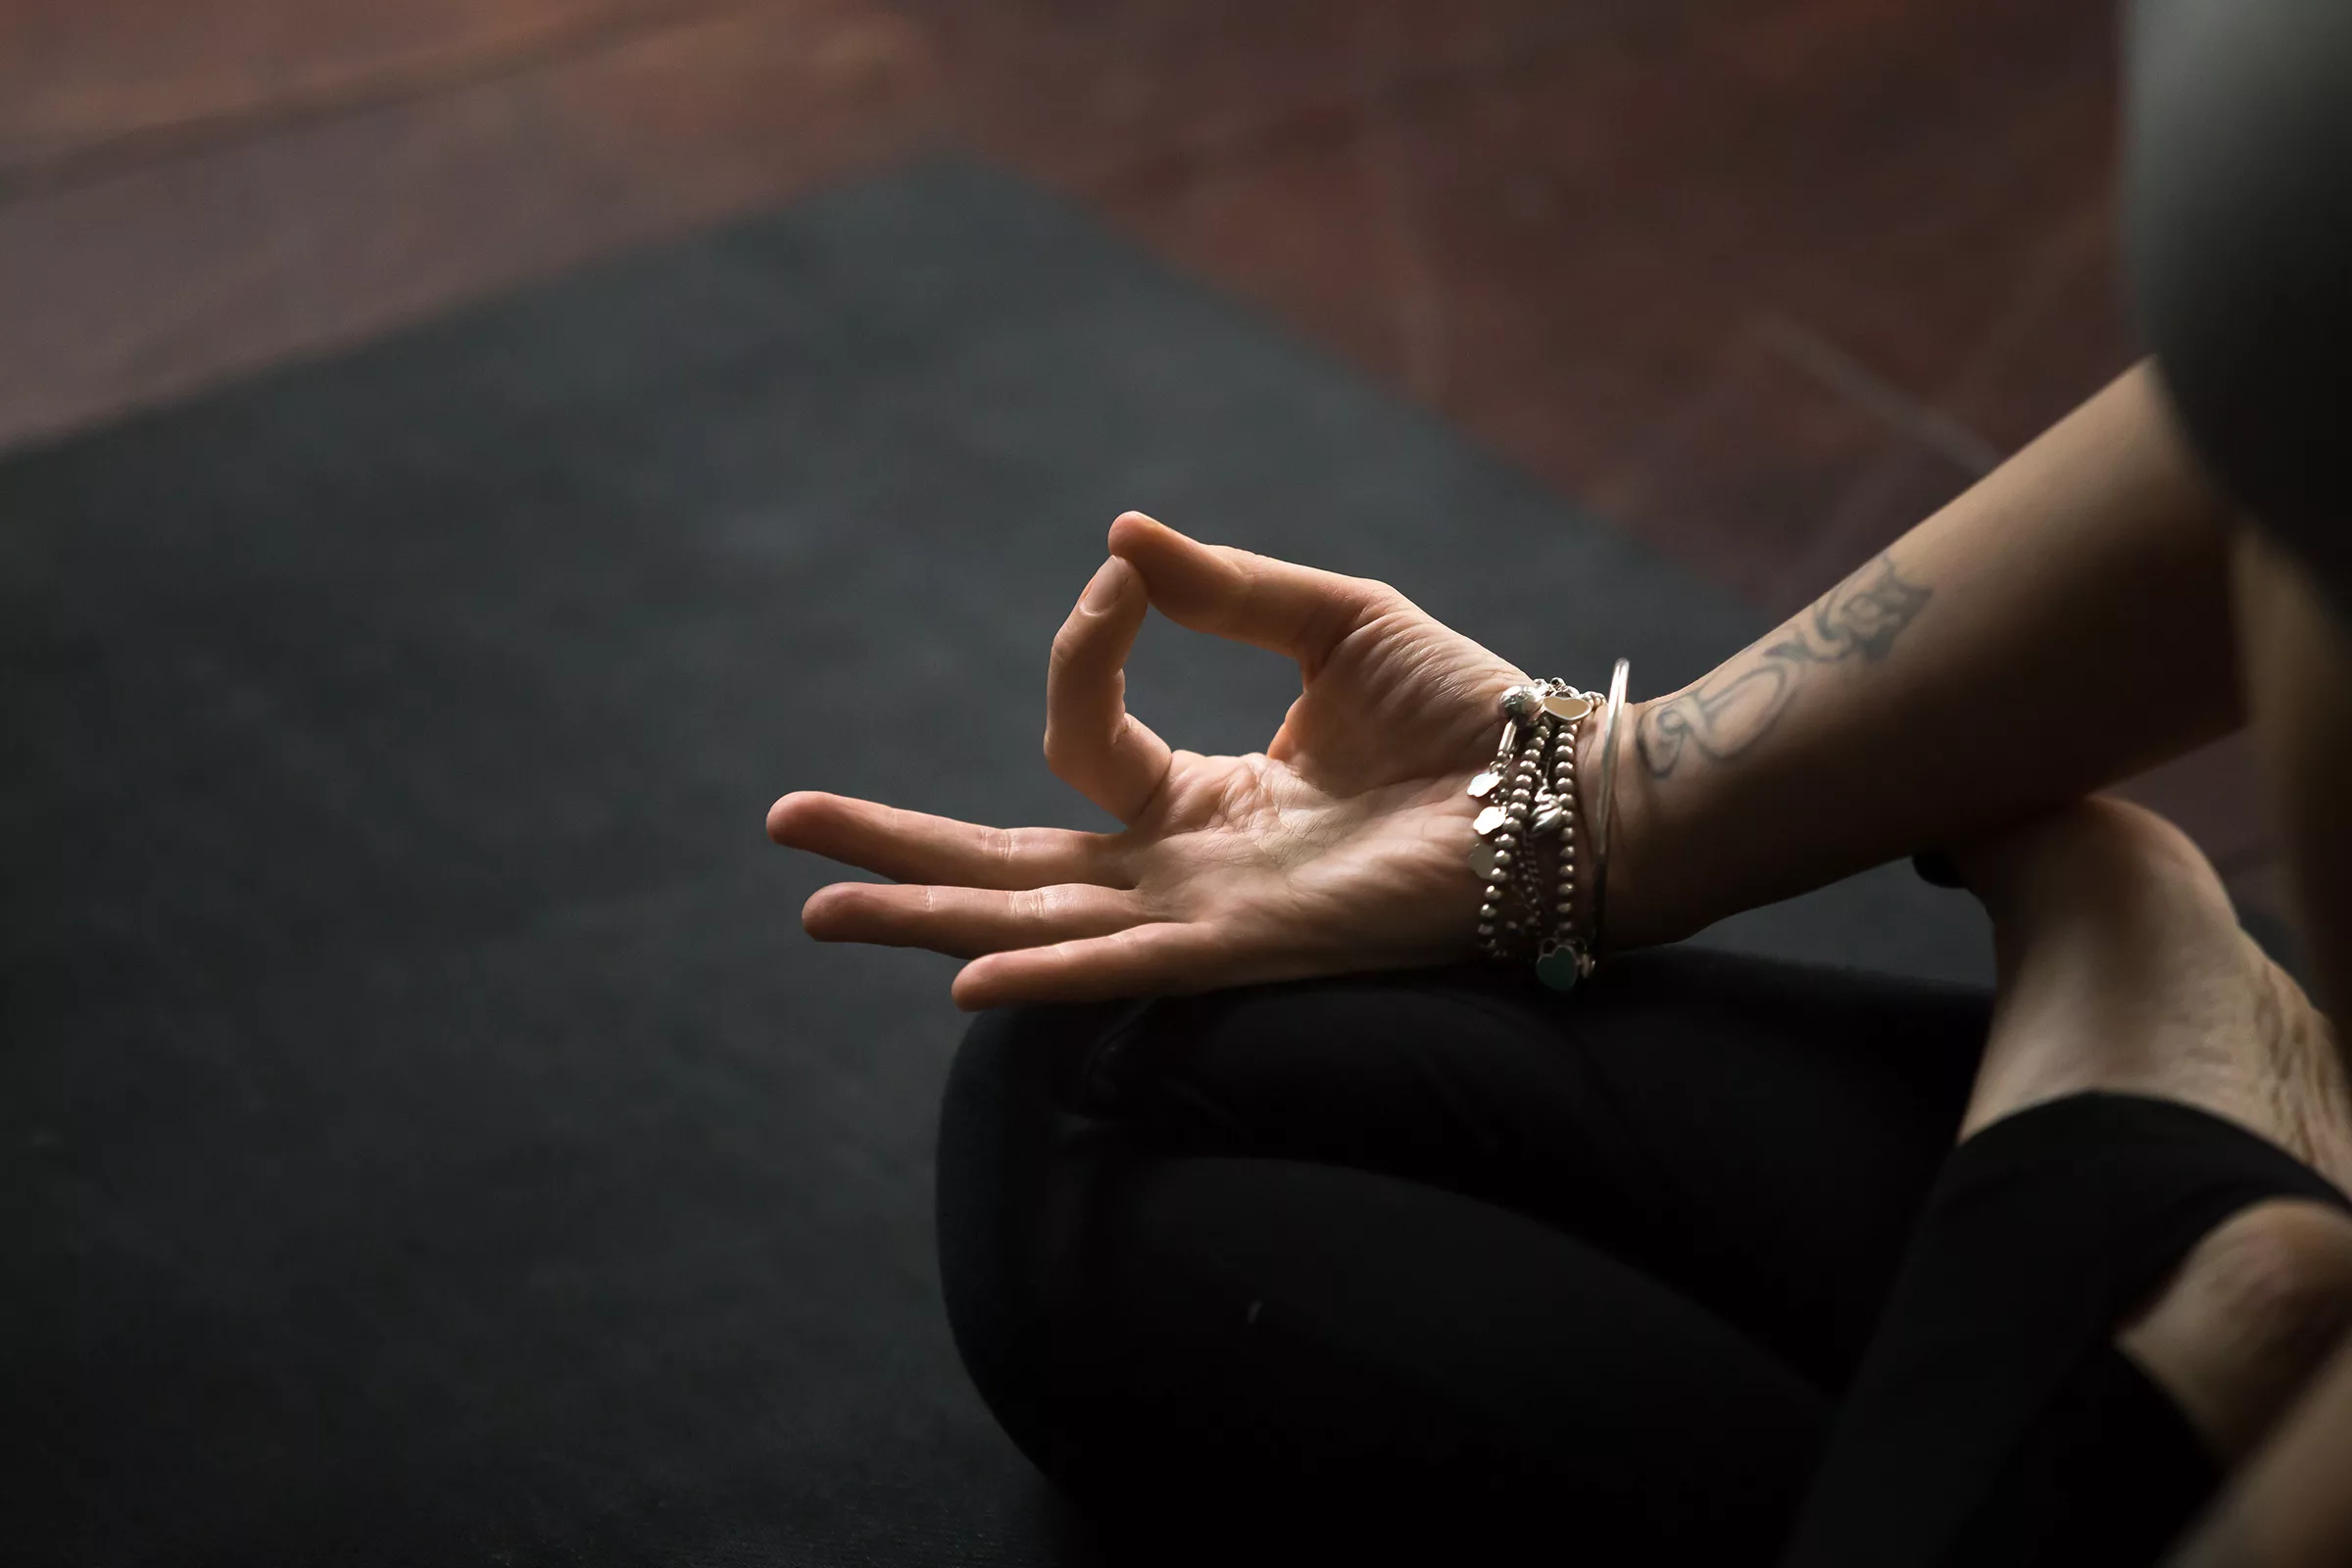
{"type": "Point", "coordinates": [1732, 709]}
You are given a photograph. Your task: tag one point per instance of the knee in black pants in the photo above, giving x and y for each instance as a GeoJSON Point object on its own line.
{"type": "Point", "coordinates": [1031, 1166]}
{"type": "Point", "coordinates": [1014, 1159]}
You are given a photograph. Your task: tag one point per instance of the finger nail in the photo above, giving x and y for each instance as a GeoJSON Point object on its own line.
{"type": "Point", "coordinates": [1103, 590]}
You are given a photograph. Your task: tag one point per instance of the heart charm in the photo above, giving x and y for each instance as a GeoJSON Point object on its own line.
{"type": "Point", "coordinates": [1570, 706]}
{"type": "Point", "coordinates": [1559, 970]}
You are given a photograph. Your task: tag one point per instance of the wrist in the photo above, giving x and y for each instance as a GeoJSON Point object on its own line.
{"type": "Point", "coordinates": [1636, 915]}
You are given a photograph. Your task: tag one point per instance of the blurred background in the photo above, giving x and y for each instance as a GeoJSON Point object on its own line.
{"type": "Point", "coordinates": [1759, 282]}
{"type": "Point", "coordinates": [461, 460]}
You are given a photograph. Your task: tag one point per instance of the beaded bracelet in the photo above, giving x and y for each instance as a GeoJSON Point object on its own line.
{"type": "Point", "coordinates": [1527, 839]}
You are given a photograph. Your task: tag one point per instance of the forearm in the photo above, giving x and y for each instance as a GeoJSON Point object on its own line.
{"type": "Point", "coordinates": [2062, 625]}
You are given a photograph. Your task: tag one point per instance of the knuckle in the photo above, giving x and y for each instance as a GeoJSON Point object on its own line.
{"type": "Point", "coordinates": [1372, 598]}
{"type": "Point", "coordinates": [1069, 644]}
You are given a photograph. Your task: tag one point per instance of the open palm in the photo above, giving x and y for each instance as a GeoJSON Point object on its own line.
{"type": "Point", "coordinates": [1340, 847]}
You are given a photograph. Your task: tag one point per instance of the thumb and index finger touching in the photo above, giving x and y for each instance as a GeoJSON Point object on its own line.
{"type": "Point", "coordinates": [1092, 742]}
{"type": "Point", "coordinates": [1301, 612]}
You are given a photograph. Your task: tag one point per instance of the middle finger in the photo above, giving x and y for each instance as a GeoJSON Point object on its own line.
{"type": "Point", "coordinates": [917, 846]}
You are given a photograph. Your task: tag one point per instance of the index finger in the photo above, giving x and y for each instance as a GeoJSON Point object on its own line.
{"type": "Point", "coordinates": [1093, 743]}
{"type": "Point", "coordinates": [916, 846]}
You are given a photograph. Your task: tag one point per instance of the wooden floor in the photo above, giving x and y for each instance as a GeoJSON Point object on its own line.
{"type": "Point", "coordinates": [1762, 281]}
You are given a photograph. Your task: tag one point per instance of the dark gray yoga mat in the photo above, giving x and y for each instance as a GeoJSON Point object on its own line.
{"type": "Point", "coordinates": [431, 1138]}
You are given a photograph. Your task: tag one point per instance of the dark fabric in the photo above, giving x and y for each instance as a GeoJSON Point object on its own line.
{"type": "Point", "coordinates": [1447, 1254]}
{"type": "Point", "coordinates": [429, 1137]}
{"type": "Point", "coordinates": [2237, 199]}
{"type": "Point", "coordinates": [1993, 1421]}
{"type": "Point", "coordinates": [1445, 1260]}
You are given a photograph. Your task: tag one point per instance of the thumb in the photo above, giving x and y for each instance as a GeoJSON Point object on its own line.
{"type": "Point", "coordinates": [1271, 603]}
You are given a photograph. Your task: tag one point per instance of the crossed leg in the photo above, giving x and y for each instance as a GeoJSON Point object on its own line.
{"type": "Point", "coordinates": [2124, 968]}
{"type": "Point", "coordinates": [2136, 1254]}
{"type": "Point", "coordinates": [1445, 1256]}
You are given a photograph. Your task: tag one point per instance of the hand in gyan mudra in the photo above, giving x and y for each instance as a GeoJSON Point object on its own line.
{"type": "Point", "coordinates": [1341, 847]}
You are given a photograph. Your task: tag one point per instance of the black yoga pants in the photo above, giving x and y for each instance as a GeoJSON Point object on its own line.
{"type": "Point", "coordinates": [1445, 1260]}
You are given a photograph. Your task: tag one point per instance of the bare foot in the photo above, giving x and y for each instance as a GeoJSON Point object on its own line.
{"type": "Point", "coordinates": [2123, 967]}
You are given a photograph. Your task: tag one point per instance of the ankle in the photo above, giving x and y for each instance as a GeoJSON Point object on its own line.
{"type": "Point", "coordinates": [2251, 1313]}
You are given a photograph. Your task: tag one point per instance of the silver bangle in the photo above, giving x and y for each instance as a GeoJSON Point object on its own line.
{"type": "Point", "coordinates": [1605, 802]}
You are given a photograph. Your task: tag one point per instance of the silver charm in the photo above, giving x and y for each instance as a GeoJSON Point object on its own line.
{"type": "Point", "coordinates": [1524, 703]}
{"type": "Point", "coordinates": [1486, 859]}
{"type": "Point", "coordinates": [1490, 819]}
{"type": "Point", "coordinates": [1484, 784]}
{"type": "Point", "coordinates": [1550, 819]}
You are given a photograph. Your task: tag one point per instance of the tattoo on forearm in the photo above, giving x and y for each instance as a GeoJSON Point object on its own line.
{"type": "Point", "coordinates": [1732, 709]}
